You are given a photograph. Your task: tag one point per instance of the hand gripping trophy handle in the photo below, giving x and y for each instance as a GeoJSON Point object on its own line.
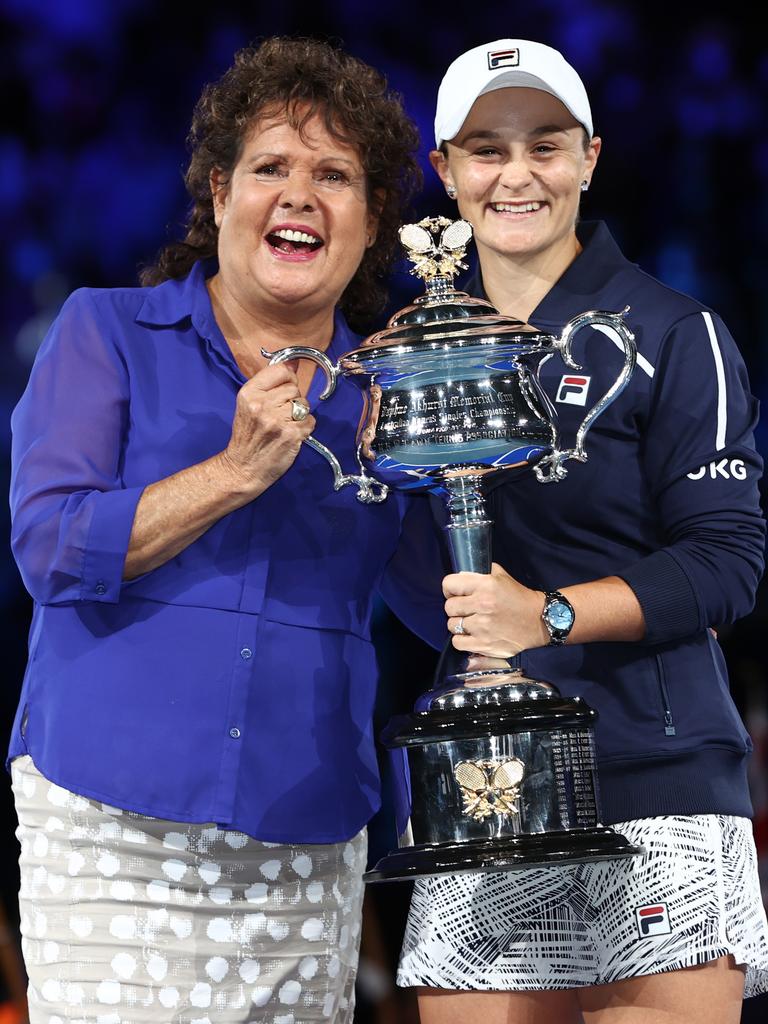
{"type": "Point", "coordinates": [550, 469]}
{"type": "Point", "coordinates": [369, 491]}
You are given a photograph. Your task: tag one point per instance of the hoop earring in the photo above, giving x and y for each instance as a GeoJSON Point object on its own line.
{"type": "Point", "coordinates": [451, 191]}
{"type": "Point", "coordinates": [585, 186]}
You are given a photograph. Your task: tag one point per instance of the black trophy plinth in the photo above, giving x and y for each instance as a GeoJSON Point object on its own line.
{"type": "Point", "coordinates": [495, 786]}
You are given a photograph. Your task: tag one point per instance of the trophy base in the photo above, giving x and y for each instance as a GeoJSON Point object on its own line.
{"type": "Point", "coordinates": [574, 846]}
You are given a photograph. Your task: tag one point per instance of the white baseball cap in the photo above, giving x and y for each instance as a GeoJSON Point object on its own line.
{"type": "Point", "coordinates": [503, 64]}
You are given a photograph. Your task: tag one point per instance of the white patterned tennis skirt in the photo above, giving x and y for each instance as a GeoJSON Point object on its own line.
{"type": "Point", "coordinates": [692, 897]}
{"type": "Point", "coordinates": [128, 919]}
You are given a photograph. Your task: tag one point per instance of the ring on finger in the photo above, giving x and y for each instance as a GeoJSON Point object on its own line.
{"type": "Point", "coordinates": [458, 629]}
{"type": "Point", "coordinates": [299, 410]}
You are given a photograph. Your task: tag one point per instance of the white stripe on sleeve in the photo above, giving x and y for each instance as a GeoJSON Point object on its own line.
{"type": "Point", "coordinates": [722, 397]}
{"type": "Point", "coordinates": [613, 334]}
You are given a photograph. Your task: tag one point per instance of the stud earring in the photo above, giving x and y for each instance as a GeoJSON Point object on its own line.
{"type": "Point", "coordinates": [585, 186]}
{"type": "Point", "coordinates": [451, 191]}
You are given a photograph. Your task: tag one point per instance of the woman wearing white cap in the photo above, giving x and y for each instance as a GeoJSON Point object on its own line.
{"type": "Point", "coordinates": [611, 582]}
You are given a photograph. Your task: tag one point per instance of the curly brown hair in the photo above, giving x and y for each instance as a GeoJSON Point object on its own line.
{"type": "Point", "coordinates": [305, 78]}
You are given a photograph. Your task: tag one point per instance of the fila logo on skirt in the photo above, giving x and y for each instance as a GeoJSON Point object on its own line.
{"type": "Point", "coordinates": [573, 390]}
{"type": "Point", "coordinates": [503, 59]}
{"type": "Point", "coordinates": [653, 920]}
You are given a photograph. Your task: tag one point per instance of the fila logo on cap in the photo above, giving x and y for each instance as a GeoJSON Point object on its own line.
{"type": "Point", "coordinates": [573, 390]}
{"type": "Point", "coordinates": [503, 59]}
{"type": "Point", "coordinates": [653, 920]}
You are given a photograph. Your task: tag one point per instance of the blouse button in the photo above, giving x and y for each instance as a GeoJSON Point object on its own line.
{"type": "Point", "coordinates": [234, 732]}
{"type": "Point", "coordinates": [246, 653]}
{"type": "Point", "coordinates": [100, 587]}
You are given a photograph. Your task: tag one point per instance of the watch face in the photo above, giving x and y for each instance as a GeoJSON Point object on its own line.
{"type": "Point", "coordinates": [560, 615]}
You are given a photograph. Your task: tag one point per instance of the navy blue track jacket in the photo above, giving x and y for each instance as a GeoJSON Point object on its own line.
{"type": "Point", "coordinates": [668, 500]}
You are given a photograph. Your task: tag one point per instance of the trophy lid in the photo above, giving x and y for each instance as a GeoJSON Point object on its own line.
{"type": "Point", "coordinates": [436, 246]}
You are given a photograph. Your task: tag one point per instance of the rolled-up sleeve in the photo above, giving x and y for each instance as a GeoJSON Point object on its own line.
{"type": "Point", "coordinates": [703, 470]}
{"type": "Point", "coordinates": [71, 515]}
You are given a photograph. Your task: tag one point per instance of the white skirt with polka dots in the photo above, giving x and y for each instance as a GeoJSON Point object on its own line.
{"type": "Point", "coordinates": [128, 919]}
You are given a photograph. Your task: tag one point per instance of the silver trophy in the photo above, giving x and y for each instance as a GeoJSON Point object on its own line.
{"type": "Point", "coordinates": [493, 770]}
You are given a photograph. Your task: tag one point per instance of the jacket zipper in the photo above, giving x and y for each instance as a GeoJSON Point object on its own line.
{"type": "Point", "coordinates": [669, 724]}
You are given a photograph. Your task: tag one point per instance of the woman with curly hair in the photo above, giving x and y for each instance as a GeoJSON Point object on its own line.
{"type": "Point", "coordinates": [193, 760]}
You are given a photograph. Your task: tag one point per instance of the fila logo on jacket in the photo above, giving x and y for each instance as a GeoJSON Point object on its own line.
{"type": "Point", "coordinates": [573, 389]}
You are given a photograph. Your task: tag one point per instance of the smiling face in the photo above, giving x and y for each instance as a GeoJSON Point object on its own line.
{"type": "Point", "coordinates": [517, 165]}
{"type": "Point", "coordinates": [294, 219]}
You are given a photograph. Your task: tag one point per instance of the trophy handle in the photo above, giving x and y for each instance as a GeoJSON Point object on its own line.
{"type": "Point", "coordinates": [550, 468]}
{"type": "Point", "coordinates": [369, 491]}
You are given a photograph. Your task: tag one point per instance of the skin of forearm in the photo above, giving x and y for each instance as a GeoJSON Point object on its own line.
{"type": "Point", "coordinates": [606, 609]}
{"type": "Point", "coordinates": [174, 512]}
{"type": "Point", "coordinates": [500, 617]}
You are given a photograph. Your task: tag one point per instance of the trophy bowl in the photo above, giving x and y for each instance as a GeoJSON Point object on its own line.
{"type": "Point", "coordinates": [493, 770]}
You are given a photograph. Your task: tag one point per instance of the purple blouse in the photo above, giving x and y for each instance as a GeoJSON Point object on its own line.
{"type": "Point", "coordinates": [236, 682]}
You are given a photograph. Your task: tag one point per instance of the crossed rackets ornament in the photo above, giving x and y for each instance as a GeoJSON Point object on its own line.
{"type": "Point", "coordinates": [436, 256]}
{"type": "Point", "coordinates": [490, 787]}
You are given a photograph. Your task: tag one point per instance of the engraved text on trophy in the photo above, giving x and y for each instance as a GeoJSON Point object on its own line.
{"type": "Point", "coordinates": [449, 413]}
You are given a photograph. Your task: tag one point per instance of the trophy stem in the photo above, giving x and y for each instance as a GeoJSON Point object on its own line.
{"type": "Point", "coordinates": [469, 527]}
{"type": "Point", "coordinates": [469, 537]}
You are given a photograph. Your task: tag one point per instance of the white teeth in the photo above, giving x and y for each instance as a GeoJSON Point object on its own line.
{"type": "Point", "coordinates": [516, 207]}
{"type": "Point", "coordinates": [295, 236]}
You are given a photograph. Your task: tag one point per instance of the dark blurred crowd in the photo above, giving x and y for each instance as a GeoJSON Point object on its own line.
{"type": "Point", "coordinates": [96, 99]}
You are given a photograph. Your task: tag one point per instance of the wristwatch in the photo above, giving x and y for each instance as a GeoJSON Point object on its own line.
{"type": "Point", "coordinates": [558, 616]}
